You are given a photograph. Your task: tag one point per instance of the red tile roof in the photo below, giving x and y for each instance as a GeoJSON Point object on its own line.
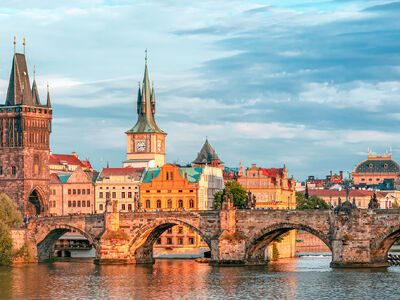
{"type": "Point", "coordinates": [337, 193]}
{"type": "Point", "coordinates": [136, 172]}
{"type": "Point", "coordinates": [272, 172]}
{"type": "Point", "coordinates": [56, 159]}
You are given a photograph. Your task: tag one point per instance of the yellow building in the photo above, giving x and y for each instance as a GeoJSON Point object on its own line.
{"type": "Point", "coordinates": [146, 141]}
{"type": "Point", "coordinates": [120, 184]}
{"type": "Point", "coordinates": [273, 190]}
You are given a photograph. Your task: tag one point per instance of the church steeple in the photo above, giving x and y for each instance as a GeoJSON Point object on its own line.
{"type": "Point", "coordinates": [48, 96]}
{"type": "Point", "coordinates": [35, 93]}
{"type": "Point", "coordinates": [145, 107]}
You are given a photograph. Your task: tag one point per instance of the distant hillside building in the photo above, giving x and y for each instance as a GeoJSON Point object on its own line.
{"type": "Point", "coordinates": [146, 141]}
{"type": "Point", "coordinates": [25, 127]}
{"type": "Point", "coordinates": [375, 170]}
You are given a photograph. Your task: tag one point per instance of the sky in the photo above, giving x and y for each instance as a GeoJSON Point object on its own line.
{"type": "Point", "coordinates": [309, 84]}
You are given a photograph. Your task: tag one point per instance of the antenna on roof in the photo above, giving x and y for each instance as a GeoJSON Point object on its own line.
{"type": "Point", "coordinates": [14, 45]}
{"type": "Point", "coordinates": [24, 44]}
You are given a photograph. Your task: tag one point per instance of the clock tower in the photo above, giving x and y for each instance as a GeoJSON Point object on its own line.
{"type": "Point", "coordinates": [146, 141]}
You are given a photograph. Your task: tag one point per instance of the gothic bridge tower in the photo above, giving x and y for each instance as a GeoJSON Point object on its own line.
{"type": "Point", "coordinates": [146, 141]}
{"type": "Point", "coordinates": [25, 126]}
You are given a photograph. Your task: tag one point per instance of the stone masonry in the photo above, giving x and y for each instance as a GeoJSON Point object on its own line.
{"type": "Point", "coordinates": [356, 237]}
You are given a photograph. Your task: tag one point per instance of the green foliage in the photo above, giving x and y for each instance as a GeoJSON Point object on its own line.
{"type": "Point", "coordinates": [280, 238]}
{"type": "Point", "coordinates": [9, 213]}
{"type": "Point", "coordinates": [238, 192]}
{"type": "Point", "coordinates": [313, 202]}
{"type": "Point", "coordinates": [6, 245]}
{"type": "Point", "coordinates": [25, 252]}
{"type": "Point", "coordinates": [275, 252]}
{"type": "Point", "coordinates": [9, 217]}
{"type": "Point", "coordinates": [395, 204]}
{"type": "Point", "coordinates": [50, 260]}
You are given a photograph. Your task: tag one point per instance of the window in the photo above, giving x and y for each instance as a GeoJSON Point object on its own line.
{"type": "Point", "coordinates": [371, 166]}
{"type": "Point", "coordinates": [191, 241]}
{"type": "Point", "coordinates": [74, 191]}
{"type": "Point", "coordinates": [377, 179]}
{"type": "Point", "coordinates": [14, 170]}
{"type": "Point", "coordinates": [158, 191]}
{"type": "Point", "coordinates": [359, 203]}
{"type": "Point", "coordinates": [1, 170]}
{"type": "Point", "coordinates": [147, 191]}
{"type": "Point", "coordinates": [79, 191]}
{"type": "Point", "coordinates": [123, 195]}
{"type": "Point", "coordinates": [79, 203]}
{"type": "Point", "coordinates": [191, 191]}
{"type": "Point", "coordinates": [169, 241]}
{"type": "Point", "coordinates": [88, 191]}
{"type": "Point", "coordinates": [180, 230]}
{"type": "Point", "coordinates": [167, 178]}
{"type": "Point", "coordinates": [107, 195]}
{"type": "Point", "coordinates": [171, 176]}
{"type": "Point", "coordinates": [83, 203]}
{"type": "Point", "coordinates": [101, 195]}
{"type": "Point", "coordinates": [180, 241]}
{"type": "Point", "coordinates": [100, 206]}
{"type": "Point", "coordinates": [180, 191]}
{"type": "Point", "coordinates": [169, 203]}
{"type": "Point", "coordinates": [370, 179]}
{"type": "Point", "coordinates": [88, 203]}
{"type": "Point", "coordinates": [147, 203]}
{"type": "Point", "coordinates": [180, 204]}
{"type": "Point", "coordinates": [191, 203]}
{"type": "Point", "coordinates": [54, 203]}
{"type": "Point", "coordinates": [69, 203]}
{"type": "Point", "coordinates": [158, 203]}
{"type": "Point", "coordinates": [83, 192]}
{"type": "Point", "coordinates": [129, 194]}
{"type": "Point", "coordinates": [191, 230]}
{"type": "Point", "coordinates": [362, 179]}
{"type": "Point", "coordinates": [54, 192]}
{"type": "Point", "coordinates": [130, 207]}
{"type": "Point", "coordinates": [169, 230]}
{"type": "Point", "coordinates": [69, 192]}
{"type": "Point", "coordinates": [74, 204]}
{"type": "Point", "coordinates": [123, 206]}
{"type": "Point", "coordinates": [114, 194]}
{"type": "Point", "coordinates": [159, 241]}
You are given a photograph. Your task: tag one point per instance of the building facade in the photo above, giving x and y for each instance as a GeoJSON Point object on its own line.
{"type": "Point", "coordinates": [25, 127]}
{"type": "Point", "coordinates": [145, 140]}
{"type": "Point", "coordinates": [375, 170]}
{"type": "Point", "coordinates": [71, 193]}
{"type": "Point", "coordinates": [120, 184]}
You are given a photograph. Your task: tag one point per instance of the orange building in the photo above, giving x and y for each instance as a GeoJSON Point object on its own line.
{"type": "Point", "coordinates": [375, 170]}
{"type": "Point", "coordinates": [71, 193]}
{"type": "Point", "coordinates": [179, 188]}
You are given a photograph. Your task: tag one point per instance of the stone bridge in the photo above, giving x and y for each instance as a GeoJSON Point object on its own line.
{"type": "Point", "coordinates": [356, 237]}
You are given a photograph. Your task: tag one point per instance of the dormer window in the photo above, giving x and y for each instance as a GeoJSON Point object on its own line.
{"type": "Point", "coordinates": [371, 166]}
{"type": "Point", "coordinates": [385, 166]}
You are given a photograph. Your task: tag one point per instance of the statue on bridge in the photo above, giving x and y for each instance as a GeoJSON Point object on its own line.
{"type": "Point", "coordinates": [227, 201]}
{"type": "Point", "coordinates": [138, 205]}
{"type": "Point", "coordinates": [373, 203]}
{"type": "Point", "coordinates": [250, 200]}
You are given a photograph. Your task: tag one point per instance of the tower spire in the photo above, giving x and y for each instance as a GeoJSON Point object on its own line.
{"type": "Point", "coordinates": [14, 45]}
{"type": "Point", "coordinates": [23, 43]}
{"type": "Point", "coordinates": [48, 96]}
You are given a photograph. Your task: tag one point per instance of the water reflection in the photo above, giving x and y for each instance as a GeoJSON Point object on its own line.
{"type": "Point", "coordinates": [301, 278]}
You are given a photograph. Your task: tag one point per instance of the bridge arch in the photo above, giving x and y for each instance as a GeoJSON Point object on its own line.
{"type": "Point", "coordinates": [48, 235]}
{"type": "Point", "coordinates": [141, 245]}
{"type": "Point", "coordinates": [384, 242]}
{"type": "Point", "coordinates": [259, 241]}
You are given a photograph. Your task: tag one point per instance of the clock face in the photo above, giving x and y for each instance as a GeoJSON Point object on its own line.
{"type": "Point", "coordinates": [141, 146]}
{"type": "Point", "coordinates": [158, 146]}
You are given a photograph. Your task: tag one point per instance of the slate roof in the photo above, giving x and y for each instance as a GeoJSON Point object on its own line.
{"type": "Point", "coordinates": [149, 174]}
{"type": "Point", "coordinates": [19, 90]}
{"type": "Point", "coordinates": [193, 174]}
{"type": "Point", "coordinates": [377, 166]}
{"type": "Point", "coordinates": [207, 155]}
{"type": "Point", "coordinates": [145, 109]}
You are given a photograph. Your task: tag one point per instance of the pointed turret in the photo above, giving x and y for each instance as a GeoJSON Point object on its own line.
{"type": "Point", "coordinates": [145, 107]}
{"type": "Point", "coordinates": [35, 93]}
{"type": "Point", "coordinates": [207, 155]}
{"type": "Point", "coordinates": [48, 96]}
{"type": "Point", "coordinates": [153, 101]}
{"type": "Point", "coordinates": [19, 91]}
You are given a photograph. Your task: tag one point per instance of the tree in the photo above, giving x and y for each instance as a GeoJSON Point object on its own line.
{"type": "Point", "coordinates": [313, 202]}
{"type": "Point", "coordinates": [238, 192]}
{"type": "Point", "coordinates": [9, 217]}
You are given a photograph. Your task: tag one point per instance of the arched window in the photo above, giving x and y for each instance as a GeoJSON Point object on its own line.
{"type": "Point", "coordinates": [158, 203]}
{"type": "Point", "coordinates": [180, 204]}
{"type": "Point", "coordinates": [191, 203]}
{"type": "Point", "coordinates": [169, 203]}
{"type": "Point", "coordinates": [147, 203]}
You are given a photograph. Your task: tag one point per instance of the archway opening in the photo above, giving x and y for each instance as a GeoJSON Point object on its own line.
{"type": "Point", "coordinates": [289, 244]}
{"type": "Point", "coordinates": [171, 240]}
{"type": "Point", "coordinates": [34, 204]}
{"type": "Point", "coordinates": [388, 249]}
{"type": "Point", "coordinates": [64, 242]}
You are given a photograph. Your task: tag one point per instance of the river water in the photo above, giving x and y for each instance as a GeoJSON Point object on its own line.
{"type": "Point", "coordinates": [300, 278]}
